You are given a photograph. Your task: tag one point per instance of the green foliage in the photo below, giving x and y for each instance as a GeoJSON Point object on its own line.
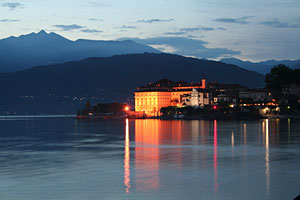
{"type": "Point", "coordinates": [224, 104]}
{"type": "Point", "coordinates": [88, 106]}
{"type": "Point", "coordinates": [108, 108]}
{"type": "Point", "coordinates": [102, 108]}
{"type": "Point", "coordinates": [187, 111]}
{"type": "Point", "coordinates": [169, 111]}
{"type": "Point", "coordinates": [87, 109]}
{"type": "Point", "coordinates": [281, 75]}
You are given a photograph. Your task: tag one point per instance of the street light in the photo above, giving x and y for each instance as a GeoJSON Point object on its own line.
{"type": "Point", "coordinates": [126, 108]}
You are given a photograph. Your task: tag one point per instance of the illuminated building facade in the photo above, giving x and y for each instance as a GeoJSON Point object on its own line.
{"type": "Point", "coordinates": [198, 98]}
{"type": "Point", "coordinates": [163, 93]}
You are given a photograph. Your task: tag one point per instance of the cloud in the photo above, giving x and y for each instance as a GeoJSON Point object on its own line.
{"type": "Point", "coordinates": [164, 48]}
{"type": "Point", "coordinates": [197, 29]}
{"type": "Point", "coordinates": [91, 31]}
{"type": "Point", "coordinates": [128, 27]}
{"type": "Point", "coordinates": [221, 28]}
{"type": "Point", "coordinates": [13, 6]}
{"type": "Point", "coordinates": [176, 33]}
{"type": "Point", "coordinates": [185, 46]}
{"type": "Point", "coordinates": [77, 27]}
{"type": "Point", "coordinates": [9, 20]}
{"type": "Point", "coordinates": [241, 20]}
{"type": "Point", "coordinates": [151, 21]}
{"type": "Point", "coordinates": [69, 27]}
{"type": "Point", "coordinates": [183, 31]}
{"type": "Point", "coordinates": [275, 23]}
{"type": "Point", "coordinates": [97, 4]}
{"type": "Point", "coordinates": [95, 20]}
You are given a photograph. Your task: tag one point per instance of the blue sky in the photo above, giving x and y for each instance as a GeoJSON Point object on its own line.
{"type": "Point", "coordinates": [250, 30]}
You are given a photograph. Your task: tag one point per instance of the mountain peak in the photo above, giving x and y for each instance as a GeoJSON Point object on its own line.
{"type": "Point", "coordinates": [41, 48]}
{"type": "Point", "coordinates": [42, 32]}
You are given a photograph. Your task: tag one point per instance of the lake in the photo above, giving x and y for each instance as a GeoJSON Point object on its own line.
{"type": "Point", "coordinates": [64, 158]}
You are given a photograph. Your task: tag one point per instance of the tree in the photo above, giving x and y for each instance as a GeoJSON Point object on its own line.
{"type": "Point", "coordinates": [169, 111]}
{"type": "Point", "coordinates": [87, 108]}
{"type": "Point", "coordinates": [279, 76]}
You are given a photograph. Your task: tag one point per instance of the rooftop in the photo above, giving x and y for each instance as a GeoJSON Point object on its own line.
{"type": "Point", "coordinates": [166, 85]}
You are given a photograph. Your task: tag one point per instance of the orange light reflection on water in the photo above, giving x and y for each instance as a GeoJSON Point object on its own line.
{"type": "Point", "coordinates": [149, 134]}
{"type": "Point", "coordinates": [147, 154]}
{"type": "Point", "coordinates": [127, 159]}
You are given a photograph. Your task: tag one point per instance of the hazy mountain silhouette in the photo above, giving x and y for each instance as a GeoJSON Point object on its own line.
{"type": "Point", "coordinates": [65, 87]}
{"type": "Point", "coordinates": [43, 48]}
{"type": "Point", "coordinates": [297, 66]}
{"type": "Point", "coordinates": [263, 67]}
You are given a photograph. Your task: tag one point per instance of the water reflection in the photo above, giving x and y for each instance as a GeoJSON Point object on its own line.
{"type": "Point", "coordinates": [127, 159]}
{"type": "Point", "coordinates": [245, 133]}
{"type": "Point", "coordinates": [151, 135]}
{"type": "Point", "coordinates": [216, 156]}
{"type": "Point", "coordinates": [232, 140]}
{"type": "Point", "coordinates": [147, 154]}
{"type": "Point", "coordinates": [195, 131]}
{"type": "Point", "coordinates": [289, 131]}
{"type": "Point", "coordinates": [267, 159]}
{"type": "Point", "coordinates": [149, 159]}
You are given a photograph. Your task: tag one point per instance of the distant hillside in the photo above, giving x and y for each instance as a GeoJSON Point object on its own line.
{"type": "Point", "coordinates": [65, 87]}
{"type": "Point", "coordinates": [41, 48]}
{"type": "Point", "coordinates": [261, 67]}
{"type": "Point", "coordinates": [297, 66]}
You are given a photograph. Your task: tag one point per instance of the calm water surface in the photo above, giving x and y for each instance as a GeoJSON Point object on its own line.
{"type": "Point", "coordinates": [61, 158]}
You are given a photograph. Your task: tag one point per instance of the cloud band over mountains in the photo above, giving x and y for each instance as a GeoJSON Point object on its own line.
{"type": "Point", "coordinates": [185, 46]}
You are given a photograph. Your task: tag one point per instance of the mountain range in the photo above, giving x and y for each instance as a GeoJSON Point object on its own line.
{"type": "Point", "coordinates": [263, 67]}
{"type": "Point", "coordinates": [44, 48]}
{"type": "Point", "coordinates": [64, 88]}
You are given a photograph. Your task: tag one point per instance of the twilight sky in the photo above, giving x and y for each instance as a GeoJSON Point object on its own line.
{"type": "Point", "coordinates": [247, 29]}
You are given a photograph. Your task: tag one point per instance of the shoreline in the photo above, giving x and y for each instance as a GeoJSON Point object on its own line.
{"type": "Point", "coordinates": [118, 117]}
{"type": "Point", "coordinates": [36, 116]}
{"type": "Point", "coordinates": [200, 117]}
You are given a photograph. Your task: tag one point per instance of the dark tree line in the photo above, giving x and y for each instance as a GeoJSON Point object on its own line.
{"type": "Point", "coordinates": [280, 76]}
{"type": "Point", "coordinates": [102, 108]}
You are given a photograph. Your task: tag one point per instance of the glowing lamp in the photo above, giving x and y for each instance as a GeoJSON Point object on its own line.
{"type": "Point", "coordinates": [126, 108]}
{"type": "Point", "coordinates": [215, 107]}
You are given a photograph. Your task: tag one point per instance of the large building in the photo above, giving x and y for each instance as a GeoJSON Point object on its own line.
{"type": "Point", "coordinates": [163, 93]}
{"type": "Point", "coordinates": [256, 95]}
